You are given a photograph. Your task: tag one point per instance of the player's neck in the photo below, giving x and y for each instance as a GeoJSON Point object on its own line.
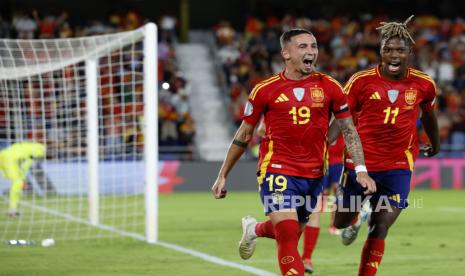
{"type": "Point", "coordinates": [293, 74]}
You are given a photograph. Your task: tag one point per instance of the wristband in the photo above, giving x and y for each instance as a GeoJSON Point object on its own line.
{"type": "Point", "coordinates": [361, 168]}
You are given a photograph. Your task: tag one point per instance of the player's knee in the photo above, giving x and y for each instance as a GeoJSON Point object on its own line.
{"type": "Point", "coordinates": [378, 231]}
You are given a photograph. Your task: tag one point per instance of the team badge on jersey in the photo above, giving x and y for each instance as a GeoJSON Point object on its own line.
{"type": "Point", "coordinates": [392, 94]}
{"type": "Point", "coordinates": [317, 95]}
{"type": "Point", "coordinates": [410, 96]}
{"type": "Point", "coordinates": [248, 110]}
{"type": "Point", "coordinates": [299, 93]}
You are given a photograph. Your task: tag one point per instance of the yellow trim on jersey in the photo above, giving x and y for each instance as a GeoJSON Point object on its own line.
{"type": "Point", "coordinates": [409, 155]}
{"type": "Point", "coordinates": [424, 76]}
{"type": "Point", "coordinates": [262, 84]}
{"type": "Point", "coordinates": [334, 81]}
{"type": "Point", "coordinates": [344, 179]}
{"type": "Point", "coordinates": [265, 162]}
{"type": "Point", "coordinates": [356, 76]}
{"type": "Point", "coordinates": [325, 158]}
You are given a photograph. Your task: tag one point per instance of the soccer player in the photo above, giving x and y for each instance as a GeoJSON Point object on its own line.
{"type": "Point", "coordinates": [385, 102]}
{"type": "Point", "coordinates": [330, 182]}
{"type": "Point", "coordinates": [297, 104]}
{"type": "Point", "coordinates": [15, 162]}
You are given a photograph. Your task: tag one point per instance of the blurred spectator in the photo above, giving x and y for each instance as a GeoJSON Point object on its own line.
{"type": "Point", "coordinates": [24, 25]}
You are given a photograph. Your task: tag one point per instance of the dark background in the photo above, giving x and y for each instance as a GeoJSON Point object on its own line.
{"type": "Point", "coordinates": [206, 13]}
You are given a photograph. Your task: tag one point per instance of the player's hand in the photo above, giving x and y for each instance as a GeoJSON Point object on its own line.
{"type": "Point", "coordinates": [429, 150]}
{"type": "Point", "coordinates": [218, 189]}
{"type": "Point", "coordinates": [366, 182]}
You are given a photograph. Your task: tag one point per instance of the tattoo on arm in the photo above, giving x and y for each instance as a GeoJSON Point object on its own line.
{"type": "Point", "coordinates": [352, 140]}
{"type": "Point", "coordinates": [239, 143]}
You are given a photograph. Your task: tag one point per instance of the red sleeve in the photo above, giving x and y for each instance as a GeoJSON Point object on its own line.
{"type": "Point", "coordinates": [339, 105]}
{"type": "Point", "coordinates": [429, 100]}
{"type": "Point", "coordinates": [254, 107]}
{"type": "Point", "coordinates": [350, 89]}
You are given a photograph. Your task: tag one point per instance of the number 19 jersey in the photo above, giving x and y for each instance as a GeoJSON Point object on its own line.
{"type": "Point", "coordinates": [296, 114]}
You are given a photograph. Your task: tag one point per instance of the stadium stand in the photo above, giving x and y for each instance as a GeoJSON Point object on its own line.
{"type": "Point", "coordinates": [176, 125]}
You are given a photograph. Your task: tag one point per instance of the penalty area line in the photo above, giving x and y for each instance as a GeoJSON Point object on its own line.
{"type": "Point", "coordinates": [212, 259]}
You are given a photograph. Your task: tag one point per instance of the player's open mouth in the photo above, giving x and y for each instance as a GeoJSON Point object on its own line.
{"type": "Point", "coordinates": [394, 67]}
{"type": "Point", "coordinates": [308, 63]}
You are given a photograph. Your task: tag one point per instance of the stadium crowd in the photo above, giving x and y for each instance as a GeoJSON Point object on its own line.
{"type": "Point", "coordinates": [120, 91]}
{"type": "Point", "coordinates": [345, 47]}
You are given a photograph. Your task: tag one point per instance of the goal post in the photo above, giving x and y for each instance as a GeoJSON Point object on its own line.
{"type": "Point", "coordinates": [93, 102]}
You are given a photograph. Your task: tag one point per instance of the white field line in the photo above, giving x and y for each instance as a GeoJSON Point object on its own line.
{"type": "Point", "coordinates": [451, 209]}
{"type": "Point", "coordinates": [198, 254]}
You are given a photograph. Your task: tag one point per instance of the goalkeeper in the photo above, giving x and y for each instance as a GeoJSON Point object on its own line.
{"type": "Point", "coordinates": [15, 162]}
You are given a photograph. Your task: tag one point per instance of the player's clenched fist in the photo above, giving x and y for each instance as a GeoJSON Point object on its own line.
{"type": "Point", "coordinates": [218, 189]}
{"type": "Point", "coordinates": [366, 182]}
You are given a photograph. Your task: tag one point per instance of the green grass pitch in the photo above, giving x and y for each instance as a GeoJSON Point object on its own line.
{"type": "Point", "coordinates": [424, 241]}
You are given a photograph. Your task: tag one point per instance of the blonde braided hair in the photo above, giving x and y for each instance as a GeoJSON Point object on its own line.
{"type": "Point", "coordinates": [394, 29]}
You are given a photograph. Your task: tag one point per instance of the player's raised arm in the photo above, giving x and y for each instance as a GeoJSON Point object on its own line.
{"type": "Point", "coordinates": [236, 149]}
{"type": "Point", "coordinates": [354, 147]}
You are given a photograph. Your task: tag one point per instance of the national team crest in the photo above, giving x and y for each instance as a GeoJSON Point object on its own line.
{"type": "Point", "coordinates": [410, 96]}
{"type": "Point", "coordinates": [317, 95]}
{"type": "Point", "coordinates": [392, 94]}
{"type": "Point", "coordinates": [299, 93]}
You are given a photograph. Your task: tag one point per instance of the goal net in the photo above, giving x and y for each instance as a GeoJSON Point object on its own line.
{"type": "Point", "coordinates": [92, 102]}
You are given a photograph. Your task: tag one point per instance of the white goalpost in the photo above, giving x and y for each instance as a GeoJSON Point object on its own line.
{"type": "Point", "coordinates": [92, 101]}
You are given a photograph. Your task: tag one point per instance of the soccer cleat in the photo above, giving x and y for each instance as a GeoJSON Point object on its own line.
{"type": "Point", "coordinates": [308, 266]}
{"type": "Point", "coordinates": [248, 242]}
{"type": "Point", "coordinates": [13, 213]}
{"type": "Point", "coordinates": [349, 234]}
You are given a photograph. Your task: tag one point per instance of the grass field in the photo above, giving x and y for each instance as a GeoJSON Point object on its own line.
{"type": "Point", "coordinates": [425, 241]}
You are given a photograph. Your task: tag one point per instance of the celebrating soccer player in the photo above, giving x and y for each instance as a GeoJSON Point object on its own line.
{"type": "Point", "coordinates": [385, 103]}
{"type": "Point", "coordinates": [297, 105]}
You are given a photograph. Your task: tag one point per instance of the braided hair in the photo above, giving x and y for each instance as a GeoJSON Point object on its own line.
{"type": "Point", "coordinates": [394, 29]}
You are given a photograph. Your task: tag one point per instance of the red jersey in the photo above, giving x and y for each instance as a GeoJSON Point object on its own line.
{"type": "Point", "coordinates": [386, 113]}
{"type": "Point", "coordinates": [296, 114]}
{"type": "Point", "coordinates": [336, 151]}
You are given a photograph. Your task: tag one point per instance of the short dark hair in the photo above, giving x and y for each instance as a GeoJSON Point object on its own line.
{"type": "Point", "coordinates": [287, 35]}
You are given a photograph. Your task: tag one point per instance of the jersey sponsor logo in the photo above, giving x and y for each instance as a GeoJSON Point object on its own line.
{"type": "Point", "coordinates": [410, 96]}
{"type": "Point", "coordinates": [317, 95]}
{"type": "Point", "coordinates": [287, 260]}
{"type": "Point", "coordinates": [299, 93]}
{"type": "Point", "coordinates": [392, 94]}
{"type": "Point", "coordinates": [375, 96]}
{"type": "Point", "coordinates": [248, 110]}
{"type": "Point", "coordinates": [282, 98]}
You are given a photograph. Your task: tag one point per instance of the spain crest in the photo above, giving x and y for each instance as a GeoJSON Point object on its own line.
{"type": "Point", "coordinates": [410, 96]}
{"type": "Point", "coordinates": [317, 95]}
